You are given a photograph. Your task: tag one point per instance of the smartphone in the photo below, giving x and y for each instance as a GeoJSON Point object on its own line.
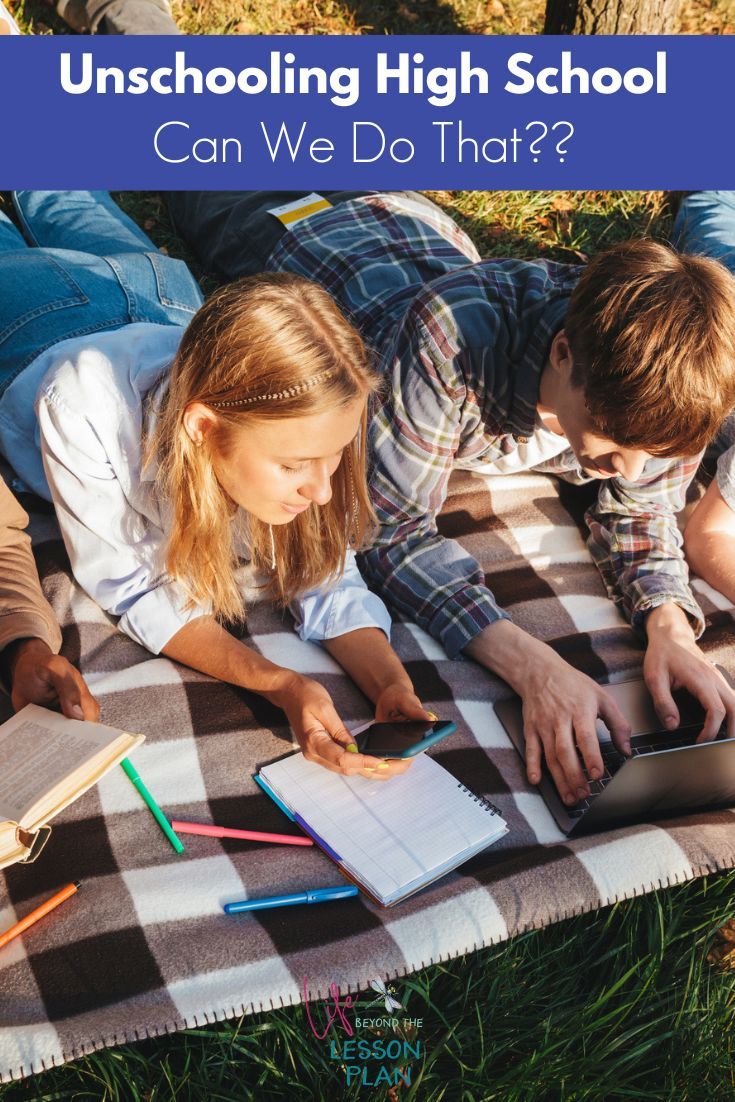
{"type": "Point", "coordinates": [402, 740]}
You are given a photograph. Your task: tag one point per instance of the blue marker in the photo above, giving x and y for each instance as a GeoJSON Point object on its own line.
{"type": "Point", "coordinates": [316, 895]}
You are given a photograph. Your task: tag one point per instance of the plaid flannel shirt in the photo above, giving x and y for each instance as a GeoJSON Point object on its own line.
{"type": "Point", "coordinates": [461, 344]}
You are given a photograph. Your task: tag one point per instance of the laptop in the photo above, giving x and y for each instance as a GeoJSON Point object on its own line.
{"type": "Point", "coordinates": [666, 775]}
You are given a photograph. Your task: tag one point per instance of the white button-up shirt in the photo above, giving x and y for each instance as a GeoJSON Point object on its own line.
{"type": "Point", "coordinates": [83, 450]}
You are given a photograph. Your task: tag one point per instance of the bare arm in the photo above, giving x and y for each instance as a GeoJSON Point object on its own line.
{"type": "Point", "coordinates": [709, 542]}
{"type": "Point", "coordinates": [204, 645]}
{"type": "Point", "coordinates": [369, 659]}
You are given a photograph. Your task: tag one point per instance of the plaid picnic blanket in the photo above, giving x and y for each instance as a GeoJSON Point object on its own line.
{"type": "Point", "coordinates": [144, 948]}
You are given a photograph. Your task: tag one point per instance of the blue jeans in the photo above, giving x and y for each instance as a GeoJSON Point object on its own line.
{"type": "Point", "coordinates": [113, 275]}
{"type": "Point", "coordinates": [705, 226]}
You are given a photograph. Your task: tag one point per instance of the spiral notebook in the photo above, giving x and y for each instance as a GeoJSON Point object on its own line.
{"type": "Point", "coordinates": [391, 838]}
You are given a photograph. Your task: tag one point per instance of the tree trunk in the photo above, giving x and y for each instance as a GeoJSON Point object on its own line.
{"type": "Point", "coordinates": [612, 16]}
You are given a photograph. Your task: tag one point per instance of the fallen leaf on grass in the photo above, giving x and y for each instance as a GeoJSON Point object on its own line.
{"type": "Point", "coordinates": [722, 952]}
{"type": "Point", "coordinates": [563, 223]}
{"type": "Point", "coordinates": [728, 931]}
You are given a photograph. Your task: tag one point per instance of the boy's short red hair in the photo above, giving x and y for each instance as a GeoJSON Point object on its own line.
{"type": "Point", "coordinates": [652, 337]}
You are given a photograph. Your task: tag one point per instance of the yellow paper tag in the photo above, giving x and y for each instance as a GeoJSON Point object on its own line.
{"type": "Point", "coordinates": [290, 213]}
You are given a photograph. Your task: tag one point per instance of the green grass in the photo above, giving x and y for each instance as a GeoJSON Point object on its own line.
{"type": "Point", "coordinates": [616, 1005]}
{"type": "Point", "coordinates": [564, 226]}
{"type": "Point", "coordinates": [371, 16]}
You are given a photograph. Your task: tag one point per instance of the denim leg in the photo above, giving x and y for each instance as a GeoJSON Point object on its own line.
{"type": "Point", "coordinates": [86, 221]}
{"type": "Point", "coordinates": [705, 225]}
{"type": "Point", "coordinates": [118, 16]}
{"type": "Point", "coordinates": [10, 239]}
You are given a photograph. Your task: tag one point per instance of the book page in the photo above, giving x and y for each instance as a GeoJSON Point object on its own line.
{"type": "Point", "coordinates": [38, 750]}
{"type": "Point", "coordinates": [389, 834]}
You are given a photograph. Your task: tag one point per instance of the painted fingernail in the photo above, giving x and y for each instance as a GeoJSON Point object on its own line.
{"type": "Point", "coordinates": [351, 748]}
{"type": "Point", "coordinates": [384, 765]}
{"type": "Point", "coordinates": [431, 715]}
{"type": "Point", "coordinates": [368, 768]}
{"type": "Point", "coordinates": [77, 711]}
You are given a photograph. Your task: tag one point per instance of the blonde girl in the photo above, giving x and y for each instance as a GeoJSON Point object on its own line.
{"type": "Point", "coordinates": [171, 454]}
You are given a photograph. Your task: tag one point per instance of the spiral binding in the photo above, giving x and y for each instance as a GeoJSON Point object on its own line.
{"type": "Point", "coordinates": [480, 799]}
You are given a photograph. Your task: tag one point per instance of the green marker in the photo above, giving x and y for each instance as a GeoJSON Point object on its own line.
{"type": "Point", "coordinates": [155, 810]}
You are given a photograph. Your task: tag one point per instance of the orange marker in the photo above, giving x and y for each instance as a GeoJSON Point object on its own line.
{"type": "Point", "coordinates": [33, 917]}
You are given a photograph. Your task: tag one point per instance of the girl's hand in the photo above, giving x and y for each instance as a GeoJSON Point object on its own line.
{"type": "Point", "coordinates": [398, 702]}
{"type": "Point", "coordinates": [322, 736]}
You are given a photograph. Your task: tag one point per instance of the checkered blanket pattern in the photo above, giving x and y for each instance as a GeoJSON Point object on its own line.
{"type": "Point", "coordinates": [144, 948]}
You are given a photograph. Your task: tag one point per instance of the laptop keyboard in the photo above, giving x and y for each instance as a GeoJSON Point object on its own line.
{"type": "Point", "coordinates": [612, 759]}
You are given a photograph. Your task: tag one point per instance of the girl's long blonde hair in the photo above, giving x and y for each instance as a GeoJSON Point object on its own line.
{"type": "Point", "coordinates": [264, 338]}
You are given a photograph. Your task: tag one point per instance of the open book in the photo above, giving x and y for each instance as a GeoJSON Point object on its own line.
{"type": "Point", "coordinates": [391, 838]}
{"type": "Point", "coordinates": [46, 762]}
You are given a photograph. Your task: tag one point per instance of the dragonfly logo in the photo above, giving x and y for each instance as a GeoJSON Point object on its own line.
{"type": "Point", "coordinates": [373, 1051]}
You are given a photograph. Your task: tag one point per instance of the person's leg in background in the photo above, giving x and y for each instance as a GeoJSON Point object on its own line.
{"type": "Point", "coordinates": [705, 225]}
{"type": "Point", "coordinates": [87, 221]}
{"type": "Point", "coordinates": [91, 259]}
{"type": "Point", "coordinates": [231, 233]}
{"type": "Point", "coordinates": [117, 16]}
{"type": "Point", "coordinates": [11, 239]}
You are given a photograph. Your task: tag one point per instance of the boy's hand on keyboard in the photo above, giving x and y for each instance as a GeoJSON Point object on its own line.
{"type": "Point", "coordinates": [563, 719]}
{"type": "Point", "coordinates": [560, 711]}
{"type": "Point", "coordinates": [674, 661]}
{"type": "Point", "coordinates": [561, 707]}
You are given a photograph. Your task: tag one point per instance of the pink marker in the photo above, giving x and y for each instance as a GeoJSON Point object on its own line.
{"type": "Point", "coordinates": [249, 835]}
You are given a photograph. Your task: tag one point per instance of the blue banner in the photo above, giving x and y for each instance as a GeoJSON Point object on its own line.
{"type": "Point", "coordinates": [299, 112]}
